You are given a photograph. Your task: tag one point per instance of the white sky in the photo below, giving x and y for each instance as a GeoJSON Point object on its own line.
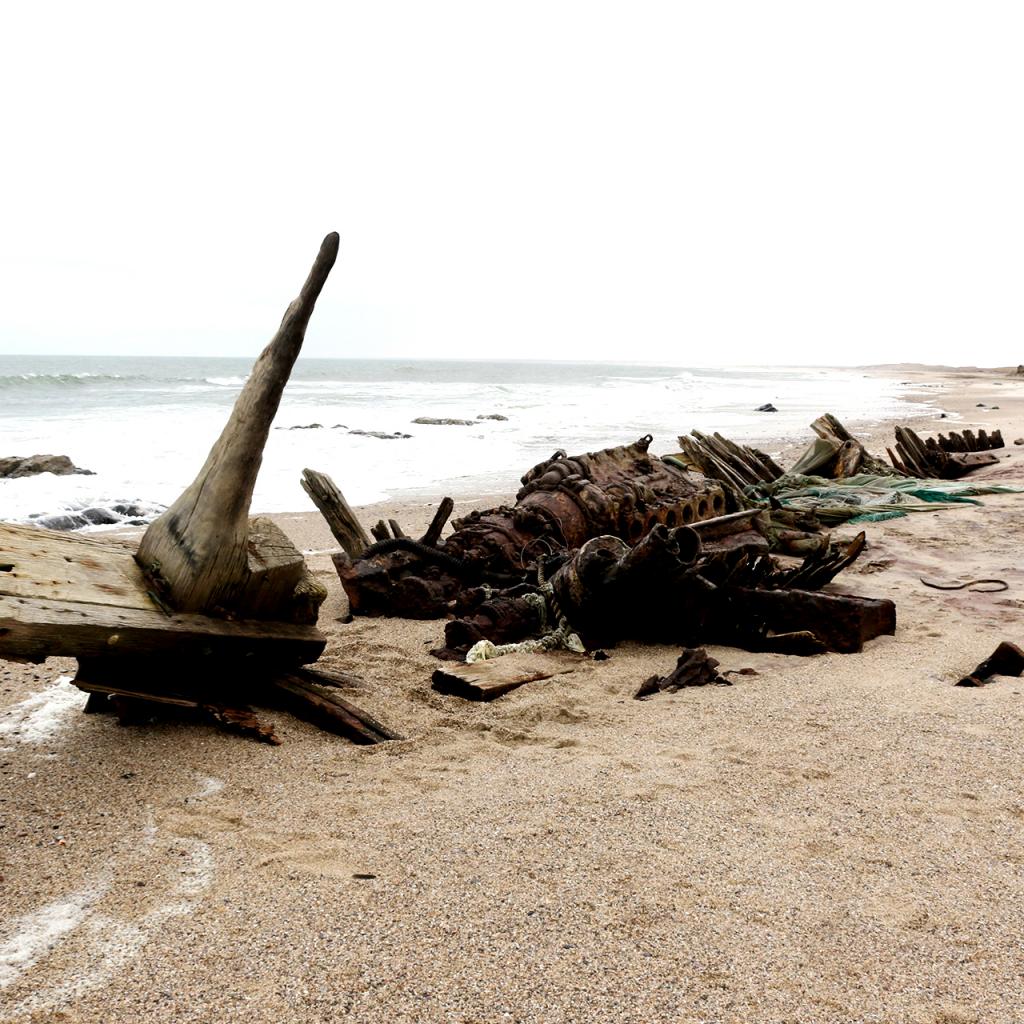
{"type": "Point", "coordinates": [697, 183]}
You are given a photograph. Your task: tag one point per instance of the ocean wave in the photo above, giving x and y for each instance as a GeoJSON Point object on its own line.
{"type": "Point", "coordinates": [40, 381]}
{"type": "Point", "coordinates": [102, 514]}
{"type": "Point", "coordinates": [225, 382]}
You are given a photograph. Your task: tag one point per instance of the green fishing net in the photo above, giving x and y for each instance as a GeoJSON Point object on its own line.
{"type": "Point", "coordinates": [869, 499]}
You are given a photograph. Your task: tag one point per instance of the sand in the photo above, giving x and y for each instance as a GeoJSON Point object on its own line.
{"type": "Point", "coordinates": [838, 838]}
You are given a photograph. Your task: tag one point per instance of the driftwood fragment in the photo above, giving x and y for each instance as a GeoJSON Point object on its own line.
{"type": "Point", "coordinates": [694, 667]}
{"type": "Point", "coordinates": [327, 497]}
{"type": "Point", "coordinates": [851, 455]}
{"type": "Point", "coordinates": [1006, 660]}
{"type": "Point", "coordinates": [486, 680]}
{"type": "Point", "coordinates": [437, 524]}
{"type": "Point", "coordinates": [136, 697]}
{"type": "Point", "coordinates": [198, 549]}
{"type": "Point", "coordinates": [328, 710]}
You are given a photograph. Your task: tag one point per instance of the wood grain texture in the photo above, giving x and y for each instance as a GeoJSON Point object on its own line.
{"type": "Point", "coordinates": [198, 547]}
{"type": "Point", "coordinates": [34, 629]}
{"type": "Point", "coordinates": [486, 680]}
{"type": "Point", "coordinates": [327, 497]}
{"type": "Point", "coordinates": [46, 565]}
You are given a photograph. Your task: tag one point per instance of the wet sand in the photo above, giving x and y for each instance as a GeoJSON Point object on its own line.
{"type": "Point", "coordinates": [838, 838]}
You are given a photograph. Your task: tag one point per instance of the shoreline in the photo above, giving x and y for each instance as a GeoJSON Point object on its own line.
{"type": "Point", "coordinates": [837, 838]}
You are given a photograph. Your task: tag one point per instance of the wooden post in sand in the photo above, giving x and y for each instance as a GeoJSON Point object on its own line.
{"type": "Point", "coordinates": [327, 497]}
{"type": "Point", "coordinates": [198, 550]}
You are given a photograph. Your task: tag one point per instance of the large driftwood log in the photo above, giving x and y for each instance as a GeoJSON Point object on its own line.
{"type": "Point", "coordinates": [198, 549]}
{"type": "Point", "coordinates": [65, 595]}
{"type": "Point", "coordinates": [327, 497]}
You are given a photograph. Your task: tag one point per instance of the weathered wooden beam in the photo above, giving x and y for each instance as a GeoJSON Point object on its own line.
{"type": "Point", "coordinates": [959, 464]}
{"type": "Point", "coordinates": [327, 497]}
{"type": "Point", "coordinates": [34, 630]}
{"type": "Point", "coordinates": [329, 711]}
{"type": "Point", "coordinates": [197, 549]}
{"type": "Point", "coordinates": [842, 622]}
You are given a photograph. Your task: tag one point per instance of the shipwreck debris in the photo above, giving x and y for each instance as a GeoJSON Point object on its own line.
{"type": "Point", "coordinates": [622, 492]}
{"type": "Point", "coordinates": [486, 680]}
{"type": "Point", "coordinates": [1006, 660]}
{"type": "Point", "coordinates": [214, 609]}
{"type": "Point", "coordinates": [694, 667]}
{"type": "Point", "coordinates": [944, 457]}
{"type": "Point", "coordinates": [347, 529]}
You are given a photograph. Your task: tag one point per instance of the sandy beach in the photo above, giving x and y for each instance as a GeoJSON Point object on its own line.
{"type": "Point", "coordinates": [834, 839]}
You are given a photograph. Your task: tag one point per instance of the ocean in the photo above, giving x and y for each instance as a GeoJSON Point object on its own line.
{"type": "Point", "coordinates": [144, 425]}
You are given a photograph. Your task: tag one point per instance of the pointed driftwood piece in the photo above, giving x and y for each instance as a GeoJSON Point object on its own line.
{"type": "Point", "coordinates": [327, 497]}
{"type": "Point", "coordinates": [441, 516]}
{"type": "Point", "coordinates": [197, 549]}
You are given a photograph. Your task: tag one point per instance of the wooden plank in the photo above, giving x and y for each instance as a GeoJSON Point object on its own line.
{"type": "Point", "coordinates": [485, 680]}
{"type": "Point", "coordinates": [46, 565]}
{"type": "Point", "coordinates": [33, 630]}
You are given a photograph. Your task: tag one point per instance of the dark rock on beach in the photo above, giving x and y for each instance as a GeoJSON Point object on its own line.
{"type": "Point", "coordinates": [767, 407]}
{"type": "Point", "coordinates": [380, 434]}
{"type": "Point", "coordinates": [306, 426]}
{"type": "Point", "coordinates": [444, 422]}
{"type": "Point", "coordinates": [493, 416]}
{"type": "Point", "coordinates": [31, 465]}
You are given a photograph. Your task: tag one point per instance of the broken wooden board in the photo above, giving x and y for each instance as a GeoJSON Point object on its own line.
{"type": "Point", "coordinates": [44, 564]}
{"type": "Point", "coordinates": [64, 595]}
{"type": "Point", "coordinates": [486, 680]}
{"type": "Point", "coordinates": [132, 706]}
{"type": "Point", "coordinates": [37, 630]}
{"type": "Point", "coordinates": [327, 709]}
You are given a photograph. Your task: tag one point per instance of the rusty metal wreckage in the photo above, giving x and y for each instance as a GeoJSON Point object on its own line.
{"type": "Point", "coordinates": [215, 609]}
{"type": "Point", "coordinates": [621, 545]}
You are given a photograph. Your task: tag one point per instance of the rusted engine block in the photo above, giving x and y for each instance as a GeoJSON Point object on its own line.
{"type": "Point", "coordinates": [621, 492]}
